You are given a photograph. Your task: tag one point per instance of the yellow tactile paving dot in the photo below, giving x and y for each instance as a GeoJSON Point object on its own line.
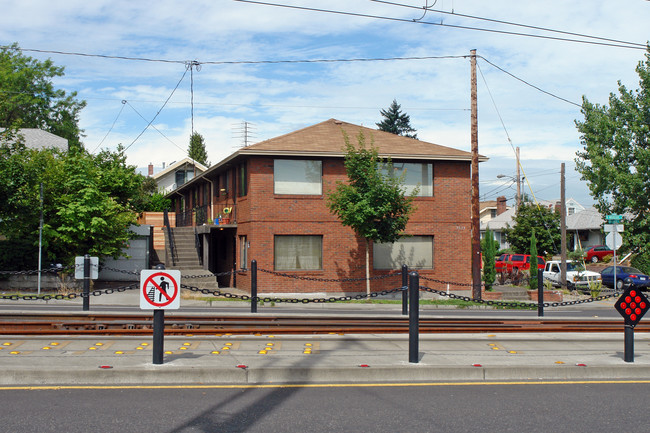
{"type": "Point", "coordinates": [309, 348]}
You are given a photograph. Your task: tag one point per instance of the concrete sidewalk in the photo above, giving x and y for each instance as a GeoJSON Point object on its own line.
{"type": "Point", "coordinates": [270, 359]}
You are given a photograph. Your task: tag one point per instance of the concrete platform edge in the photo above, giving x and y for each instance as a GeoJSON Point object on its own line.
{"type": "Point", "coordinates": [166, 375]}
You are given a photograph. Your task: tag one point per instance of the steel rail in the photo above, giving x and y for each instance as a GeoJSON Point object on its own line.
{"type": "Point", "coordinates": [142, 324]}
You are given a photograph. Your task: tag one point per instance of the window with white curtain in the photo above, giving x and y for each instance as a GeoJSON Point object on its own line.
{"type": "Point", "coordinates": [417, 175]}
{"type": "Point", "coordinates": [297, 176]}
{"type": "Point", "coordinates": [296, 253]}
{"type": "Point", "coordinates": [414, 251]}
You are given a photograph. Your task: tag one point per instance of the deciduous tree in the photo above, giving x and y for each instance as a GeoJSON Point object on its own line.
{"type": "Point", "coordinates": [372, 202]}
{"type": "Point", "coordinates": [615, 157]}
{"type": "Point", "coordinates": [28, 98]}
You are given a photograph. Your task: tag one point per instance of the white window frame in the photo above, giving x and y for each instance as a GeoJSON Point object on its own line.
{"type": "Point", "coordinates": [292, 176]}
{"type": "Point", "coordinates": [418, 175]}
{"type": "Point", "coordinates": [301, 252]}
{"type": "Point", "coordinates": [403, 252]}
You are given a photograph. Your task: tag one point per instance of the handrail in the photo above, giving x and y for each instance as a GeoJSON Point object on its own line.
{"type": "Point", "coordinates": [170, 237]}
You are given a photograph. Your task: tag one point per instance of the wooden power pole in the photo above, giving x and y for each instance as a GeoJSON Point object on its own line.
{"type": "Point", "coordinates": [562, 226]}
{"type": "Point", "coordinates": [476, 228]}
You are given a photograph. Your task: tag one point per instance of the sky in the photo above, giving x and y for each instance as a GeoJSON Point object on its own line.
{"type": "Point", "coordinates": [262, 64]}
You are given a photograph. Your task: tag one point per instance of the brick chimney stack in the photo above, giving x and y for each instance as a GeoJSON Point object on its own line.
{"type": "Point", "coordinates": [150, 169]}
{"type": "Point", "coordinates": [501, 205]}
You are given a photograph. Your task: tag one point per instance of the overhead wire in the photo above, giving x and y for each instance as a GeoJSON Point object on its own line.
{"type": "Point", "coordinates": [161, 108]}
{"type": "Point", "coordinates": [510, 23]}
{"type": "Point", "coordinates": [111, 128]}
{"type": "Point", "coordinates": [405, 20]}
{"type": "Point", "coordinates": [548, 231]}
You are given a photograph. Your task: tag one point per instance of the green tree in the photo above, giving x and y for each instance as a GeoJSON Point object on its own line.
{"type": "Point", "coordinates": [89, 200]}
{"type": "Point", "coordinates": [544, 221]}
{"type": "Point", "coordinates": [489, 248]}
{"type": "Point", "coordinates": [615, 157]}
{"type": "Point", "coordinates": [396, 122]}
{"type": "Point", "coordinates": [532, 281]}
{"type": "Point", "coordinates": [197, 151]}
{"type": "Point", "coordinates": [373, 203]}
{"type": "Point", "coordinates": [28, 99]}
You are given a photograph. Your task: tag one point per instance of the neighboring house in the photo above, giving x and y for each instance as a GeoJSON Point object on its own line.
{"type": "Point", "coordinates": [497, 226]}
{"type": "Point", "coordinates": [268, 202]}
{"type": "Point", "coordinates": [176, 174]}
{"type": "Point", "coordinates": [585, 228]}
{"type": "Point", "coordinates": [583, 224]}
{"type": "Point", "coordinates": [38, 139]}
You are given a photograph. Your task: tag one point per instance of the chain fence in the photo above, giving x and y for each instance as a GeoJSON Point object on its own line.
{"type": "Point", "coordinates": [293, 300]}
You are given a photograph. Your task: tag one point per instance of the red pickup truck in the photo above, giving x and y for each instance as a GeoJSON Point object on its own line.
{"type": "Point", "coordinates": [510, 262]}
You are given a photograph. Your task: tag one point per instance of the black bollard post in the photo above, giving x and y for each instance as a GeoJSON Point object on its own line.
{"type": "Point", "coordinates": [158, 336]}
{"type": "Point", "coordinates": [254, 298]}
{"type": "Point", "coordinates": [629, 343]}
{"type": "Point", "coordinates": [86, 286]}
{"type": "Point", "coordinates": [405, 283]}
{"type": "Point", "coordinates": [414, 317]}
{"type": "Point", "coordinates": [540, 293]}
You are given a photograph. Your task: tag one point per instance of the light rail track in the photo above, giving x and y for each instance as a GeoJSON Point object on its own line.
{"type": "Point", "coordinates": [142, 324]}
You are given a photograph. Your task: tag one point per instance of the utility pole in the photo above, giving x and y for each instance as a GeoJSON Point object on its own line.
{"type": "Point", "coordinates": [518, 181]}
{"type": "Point", "coordinates": [562, 226]}
{"type": "Point", "coordinates": [476, 233]}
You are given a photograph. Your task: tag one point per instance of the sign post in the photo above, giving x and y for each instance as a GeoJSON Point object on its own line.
{"type": "Point", "coordinates": [613, 228]}
{"type": "Point", "coordinates": [632, 305]}
{"type": "Point", "coordinates": [86, 269]}
{"type": "Point", "coordinates": [159, 291]}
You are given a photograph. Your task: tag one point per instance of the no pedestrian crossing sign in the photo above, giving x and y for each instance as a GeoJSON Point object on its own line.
{"type": "Point", "coordinates": [160, 289]}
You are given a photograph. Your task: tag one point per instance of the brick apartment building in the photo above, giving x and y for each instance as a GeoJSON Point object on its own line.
{"type": "Point", "coordinates": [268, 201]}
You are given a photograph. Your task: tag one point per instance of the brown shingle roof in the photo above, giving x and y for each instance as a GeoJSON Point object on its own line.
{"type": "Point", "coordinates": [327, 139]}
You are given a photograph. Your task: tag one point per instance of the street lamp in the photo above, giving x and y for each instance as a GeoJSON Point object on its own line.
{"type": "Point", "coordinates": [516, 179]}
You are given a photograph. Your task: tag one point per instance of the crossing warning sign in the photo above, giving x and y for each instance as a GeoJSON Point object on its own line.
{"type": "Point", "coordinates": [160, 289]}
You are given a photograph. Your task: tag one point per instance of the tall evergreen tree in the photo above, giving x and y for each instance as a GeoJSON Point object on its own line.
{"type": "Point", "coordinates": [396, 122]}
{"type": "Point", "coordinates": [197, 151]}
{"type": "Point", "coordinates": [489, 255]}
{"type": "Point", "coordinates": [532, 281]}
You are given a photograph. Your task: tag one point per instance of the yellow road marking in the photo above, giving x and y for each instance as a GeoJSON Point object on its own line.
{"type": "Point", "coordinates": [320, 385]}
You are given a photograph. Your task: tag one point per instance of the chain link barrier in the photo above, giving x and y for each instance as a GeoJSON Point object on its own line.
{"type": "Point", "coordinates": [292, 300]}
{"type": "Point", "coordinates": [219, 293]}
{"type": "Point", "coordinates": [518, 304]}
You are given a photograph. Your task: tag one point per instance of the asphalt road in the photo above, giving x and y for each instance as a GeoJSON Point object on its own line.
{"type": "Point", "coordinates": [527, 407]}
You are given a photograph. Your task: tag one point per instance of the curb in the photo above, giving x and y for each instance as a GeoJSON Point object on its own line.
{"type": "Point", "coordinates": [164, 375]}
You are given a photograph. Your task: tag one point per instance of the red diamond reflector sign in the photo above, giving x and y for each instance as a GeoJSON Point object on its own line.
{"type": "Point", "coordinates": [632, 305]}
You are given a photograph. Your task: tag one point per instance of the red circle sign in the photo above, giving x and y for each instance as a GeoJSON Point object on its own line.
{"type": "Point", "coordinates": [152, 289]}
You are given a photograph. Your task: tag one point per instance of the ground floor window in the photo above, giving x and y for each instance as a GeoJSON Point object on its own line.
{"type": "Point", "coordinates": [293, 253]}
{"type": "Point", "coordinates": [243, 250]}
{"type": "Point", "coordinates": [414, 251]}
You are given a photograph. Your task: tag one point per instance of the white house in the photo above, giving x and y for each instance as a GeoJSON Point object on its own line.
{"type": "Point", "coordinates": [176, 174]}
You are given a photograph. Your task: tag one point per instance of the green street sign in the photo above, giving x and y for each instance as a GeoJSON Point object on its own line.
{"type": "Point", "coordinates": [614, 218]}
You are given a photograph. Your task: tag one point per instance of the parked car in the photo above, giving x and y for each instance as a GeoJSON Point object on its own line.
{"type": "Point", "coordinates": [639, 279]}
{"type": "Point", "coordinates": [502, 262]}
{"type": "Point", "coordinates": [521, 262]}
{"type": "Point", "coordinates": [598, 253]}
{"type": "Point", "coordinates": [576, 276]}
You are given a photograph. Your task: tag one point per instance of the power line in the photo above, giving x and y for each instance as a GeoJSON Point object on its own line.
{"type": "Point", "coordinates": [404, 20]}
{"type": "Point", "coordinates": [161, 108]}
{"type": "Point", "coordinates": [510, 23]}
{"type": "Point", "coordinates": [111, 128]}
{"type": "Point", "coordinates": [527, 83]}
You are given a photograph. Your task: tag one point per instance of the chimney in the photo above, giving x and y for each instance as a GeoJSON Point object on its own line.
{"type": "Point", "coordinates": [150, 169]}
{"type": "Point", "coordinates": [501, 205]}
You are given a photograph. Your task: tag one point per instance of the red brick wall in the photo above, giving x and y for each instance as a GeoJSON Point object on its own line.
{"type": "Point", "coordinates": [261, 215]}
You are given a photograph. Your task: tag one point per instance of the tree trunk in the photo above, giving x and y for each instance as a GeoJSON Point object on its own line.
{"type": "Point", "coordinates": [368, 267]}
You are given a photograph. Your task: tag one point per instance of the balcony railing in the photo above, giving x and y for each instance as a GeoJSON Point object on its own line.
{"type": "Point", "coordinates": [201, 215]}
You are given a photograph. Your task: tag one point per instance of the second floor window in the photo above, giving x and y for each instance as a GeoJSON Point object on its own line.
{"type": "Point", "coordinates": [296, 176]}
{"type": "Point", "coordinates": [418, 175]}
